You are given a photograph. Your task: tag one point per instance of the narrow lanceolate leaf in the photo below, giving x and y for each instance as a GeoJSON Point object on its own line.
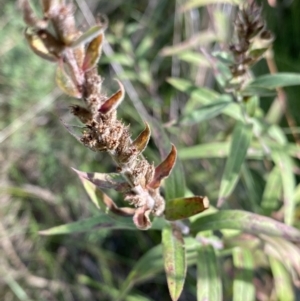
{"type": "Point", "coordinates": [282, 281]}
{"type": "Point", "coordinates": [93, 53]}
{"type": "Point", "coordinates": [89, 35]}
{"type": "Point", "coordinates": [220, 69]}
{"type": "Point", "coordinates": [65, 82]}
{"type": "Point", "coordinates": [38, 47]}
{"type": "Point", "coordinates": [141, 142]}
{"type": "Point", "coordinates": [240, 143]}
{"type": "Point", "coordinates": [98, 222]}
{"type": "Point", "coordinates": [104, 181]}
{"type": "Point", "coordinates": [95, 194]}
{"type": "Point", "coordinates": [71, 131]}
{"type": "Point", "coordinates": [285, 251]}
{"type": "Point", "coordinates": [204, 113]}
{"type": "Point", "coordinates": [174, 259]}
{"type": "Point", "coordinates": [164, 169]}
{"type": "Point", "coordinates": [245, 221]}
{"type": "Point", "coordinates": [273, 81]}
{"type": "Point", "coordinates": [181, 208]}
{"type": "Point", "coordinates": [209, 286]}
{"type": "Point", "coordinates": [285, 164]}
{"type": "Point", "coordinates": [273, 190]}
{"type": "Point", "coordinates": [143, 271]}
{"type": "Point", "coordinates": [114, 101]}
{"type": "Point", "coordinates": [197, 3]}
{"type": "Point", "coordinates": [243, 288]}
{"type": "Point", "coordinates": [103, 201]}
{"type": "Point", "coordinates": [101, 221]}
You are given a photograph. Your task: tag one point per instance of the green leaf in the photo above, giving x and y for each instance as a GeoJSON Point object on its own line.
{"type": "Point", "coordinates": [109, 290]}
{"type": "Point", "coordinates": [282, 281]}
{"type": "Point", "coordinates": [193, 57]}
{"type": "Point", "coordinates": [143, 271]}
{"type": "Point", "coordinates": [260, 91]}
{"type": "Point", "coordinates": [89, 35]}
{"type": "Point", "coordinates": [241, 139]}
{"type": "Point", "coordinates": [220, 62]}
{"type": "Point", "coordinates": [65, 82]}
{"type": "Point", "coordinates": [243, 288]}
{"type": "Point", "coordinates": [181, 208]}
{"type": "Point", "coordinates": [144, 47]}
{"type": "Point", "coordinates": [174, 259]}
{"type": "Point", "coordinates": [285, 164]}
{"type": "Point", "coordinates": [257, 53]}
{"type": "Point", "coordinates": [205, 112]}
{"type": "Point", "coordinates": [273, 81]}
{"type": "Point", "coordinates": [92, 223]}
{"type": "Point", "coordinates": [284, 251]}
{"type": "Point", "coordinates": [197, 3]}
{"type": "Point", "coordinates": [272, 191]}
{"type": "Point", "coordinates": [244, 221]}
{"type": "Point", "coordinates": [100, 221]}
{"type": "Point", "coordinates": [209, 286]}
{"type": "Point", "coordinates": [221, 150]}
{"type": "Point", "coordinates": [203, 96]}
{"type": "Point", "coordinates": [202, 37]}
{"type": "Point", "coordinates": [95, 194]}
{"type": "Point", "coordinates": [206, 150]}
{"type": "Point", "coordinates": [254, 187]}
{"type": "Point", "coordinates": [104, 180]}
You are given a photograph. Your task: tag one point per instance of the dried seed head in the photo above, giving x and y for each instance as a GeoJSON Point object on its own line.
{"type": "Point", "coordinates": [84, 115]}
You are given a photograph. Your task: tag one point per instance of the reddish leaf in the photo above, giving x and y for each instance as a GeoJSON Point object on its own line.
{"type": "Point", "coordinates": [141, 218]}
{"type": "Point", "coordinates": [140, 143]}
{"type": "Point", "coordinates": [185, 207]}
{"type": "Point", "coordinates": [93, 53]}
{"type": "Point", "coordinates": [114, 101]}
{"type": "Point", "coordinates": [164, 169]}
{"type": "Point", "coordinates": [89, 35]}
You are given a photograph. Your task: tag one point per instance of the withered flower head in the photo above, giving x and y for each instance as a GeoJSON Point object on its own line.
{"type": "Point", "coordinates": [76, 55]}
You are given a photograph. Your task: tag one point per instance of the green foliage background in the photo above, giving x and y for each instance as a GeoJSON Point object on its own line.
{"type": "Point", "coordinates": [38, 190]}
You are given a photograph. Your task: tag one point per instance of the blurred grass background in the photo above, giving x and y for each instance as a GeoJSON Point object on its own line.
{"type": "Point", "coordinates": [38, 190]}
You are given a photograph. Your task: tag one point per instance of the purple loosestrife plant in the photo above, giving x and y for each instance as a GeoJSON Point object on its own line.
{"type": "Point", "coordinates": [76, 55]}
